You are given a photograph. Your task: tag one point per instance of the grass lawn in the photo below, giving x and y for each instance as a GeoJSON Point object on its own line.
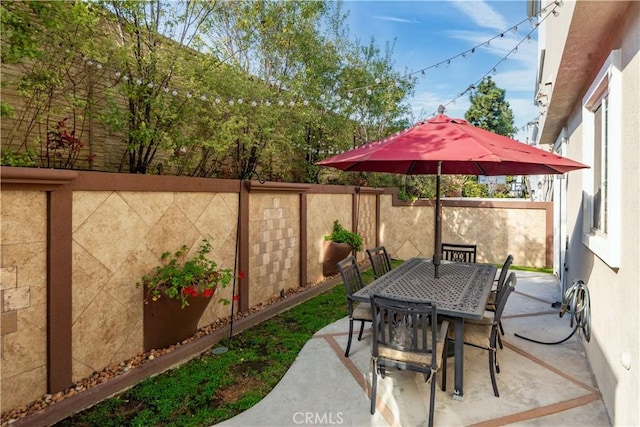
{"type": "Point", "coordinates": [212, 388]}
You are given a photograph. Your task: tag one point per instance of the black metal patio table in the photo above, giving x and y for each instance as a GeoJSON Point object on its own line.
{"type": "Point", "coordinates": [461, 292]}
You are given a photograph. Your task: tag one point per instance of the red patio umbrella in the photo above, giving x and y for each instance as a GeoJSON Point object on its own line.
{"type": "Point", "coordinates": [443, 145]}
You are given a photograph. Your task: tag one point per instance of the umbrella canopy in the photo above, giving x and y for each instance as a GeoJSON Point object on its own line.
{"type": "Point", "coordinates": [443, 145]}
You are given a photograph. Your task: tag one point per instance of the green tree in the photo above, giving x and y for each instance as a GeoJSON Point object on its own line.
{"type": "Point", "coordinates": [489, 110]}
{"type": "Point", "coordinates": [52, 46]}
{"type": "Point", "coordinates": [204, 88]}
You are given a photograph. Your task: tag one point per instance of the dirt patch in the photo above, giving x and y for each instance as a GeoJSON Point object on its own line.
{"type": "Point", "coordinates": [233, 393]}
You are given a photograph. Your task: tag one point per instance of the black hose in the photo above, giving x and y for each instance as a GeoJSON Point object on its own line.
{"type": "Point", "coordinates": [577, 302]}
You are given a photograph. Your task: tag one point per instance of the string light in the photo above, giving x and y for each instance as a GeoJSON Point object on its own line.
{"type": "Point", "coordinates": [121, 77]}
{"type": "Point", "coordinates": [493, 70]}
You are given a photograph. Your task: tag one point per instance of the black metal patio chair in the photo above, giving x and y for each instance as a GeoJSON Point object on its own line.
{"type": "Point", "coordinates": [353, 282]}
{"type": "Point", "coordinates": [483, 333]}
{"type": "Point", "coordinates": [491, 302]}
{"type": "Point", "coordinates": [407, 335]}
{"type": "Point", "coordinates": [380, 262]}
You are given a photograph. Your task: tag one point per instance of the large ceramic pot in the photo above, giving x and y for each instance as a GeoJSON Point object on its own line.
{"type": "Point", "coordinates": [167, 323]}
{"type": "Point", "coordinates": [334, 253]}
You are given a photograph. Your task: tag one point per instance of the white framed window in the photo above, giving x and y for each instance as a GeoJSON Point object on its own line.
{"type": "Point", "coordinates": [602, 121]}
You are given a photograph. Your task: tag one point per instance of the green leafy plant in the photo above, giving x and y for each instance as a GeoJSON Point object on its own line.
{"type": "Point", "coordinates": [180, 279]}
{"type": "Point", "coordinates": [341, 235]}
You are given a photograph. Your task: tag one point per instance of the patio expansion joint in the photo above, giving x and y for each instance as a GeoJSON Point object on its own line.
{"type": "Point", "coordinates": [359, 377]}
{"type": "Point", "coordinates": [532, 297]}
{"type": "Point", "coordinates": [531, 414]}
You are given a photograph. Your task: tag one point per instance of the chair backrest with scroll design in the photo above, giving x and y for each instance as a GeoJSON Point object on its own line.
{"type": "Point", "coordinates": [380, 262]}
{"type": "Point", "coordinates": [407, 335]}
{"type": "Point", "coordinates": [459, 253]}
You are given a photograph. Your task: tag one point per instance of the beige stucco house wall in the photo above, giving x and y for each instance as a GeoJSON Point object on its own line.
{"type": "Point", "coordinates": [591, 72]}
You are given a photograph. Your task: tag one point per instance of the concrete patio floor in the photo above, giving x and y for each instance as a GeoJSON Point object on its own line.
{"type": "Point", "coordinates": [540, 385]}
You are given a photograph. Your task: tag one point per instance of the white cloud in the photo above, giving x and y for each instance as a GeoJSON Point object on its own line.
{"type": "Point", "coordinates": [394, 19]}
{"type": "Point", "coordinates": [482, 14]}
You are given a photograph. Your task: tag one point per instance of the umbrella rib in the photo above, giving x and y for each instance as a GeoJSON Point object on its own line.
{"type": "Point", "coordinates": [480, 169]}
{"type": "Point", "coordinates": [411, 167]}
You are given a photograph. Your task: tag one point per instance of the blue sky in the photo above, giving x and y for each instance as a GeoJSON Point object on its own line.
{"type": "Point", "coordinates": [429, 32]}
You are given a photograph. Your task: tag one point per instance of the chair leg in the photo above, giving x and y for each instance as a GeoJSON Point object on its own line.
{"type": "Point", "coordinates": [492, 367]}
{"type": "Point", "coordinates": [500, 342]}
{"type": "Point", "coordinates": [443, 383]}
{"type": "Point", "coordinates": [361, 329]}
{"type": "Point", "coordinates": [432, 401]}
{"type": "Point", "coordinates": [374, 386]}
{"type": "Point", "coordinates": [501, 328]}
{"type": "Point", "coordinates": [346, 352]}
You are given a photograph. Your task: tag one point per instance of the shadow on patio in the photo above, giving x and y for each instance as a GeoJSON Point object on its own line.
{"type": "Point", "coordinates": [539, 385]}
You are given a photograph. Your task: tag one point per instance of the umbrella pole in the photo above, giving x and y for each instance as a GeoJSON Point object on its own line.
{"type": "Point", "coordinates": [437, 250]}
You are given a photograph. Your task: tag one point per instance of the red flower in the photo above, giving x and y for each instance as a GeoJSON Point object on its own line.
{"type": "Point", "coordinates": [207, 293]}
{"type": "Point", "coordinates": [241, 275]}
{"type": "Point", "coordinates": [190, 290]}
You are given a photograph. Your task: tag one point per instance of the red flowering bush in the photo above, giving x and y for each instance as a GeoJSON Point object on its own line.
{"type": "Point", "coordinates": [180, 279]}
{"type": "Point", "coordinates": [63, 147]}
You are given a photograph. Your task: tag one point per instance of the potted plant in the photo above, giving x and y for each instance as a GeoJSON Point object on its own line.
{"type": "Point", "coordinates": [177, 293]}
{"type": "Point", "coordinates": [338, 245]}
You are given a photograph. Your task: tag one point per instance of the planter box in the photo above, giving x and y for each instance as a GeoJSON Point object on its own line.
{"type": "Point", "coordinates": [334, 253]}
{"type": "Point", "coordinates": [167, 323]}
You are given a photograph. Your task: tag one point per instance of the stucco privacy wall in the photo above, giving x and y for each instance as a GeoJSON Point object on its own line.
{"type": "Point", "coordinates": [116, 236]}
{"type": "Point", "coordinates": [107, 230]}
{"type": "Point", "coordinates": [366, 211]}
{"type": "Point", "coordinates": [274, 230]}
{"type": "Point", "coordinates": [23, 287]}
{"type": "Point", "coordinates": [497, 227]}
{"type": "Point", "coordinates": [323, 210]}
